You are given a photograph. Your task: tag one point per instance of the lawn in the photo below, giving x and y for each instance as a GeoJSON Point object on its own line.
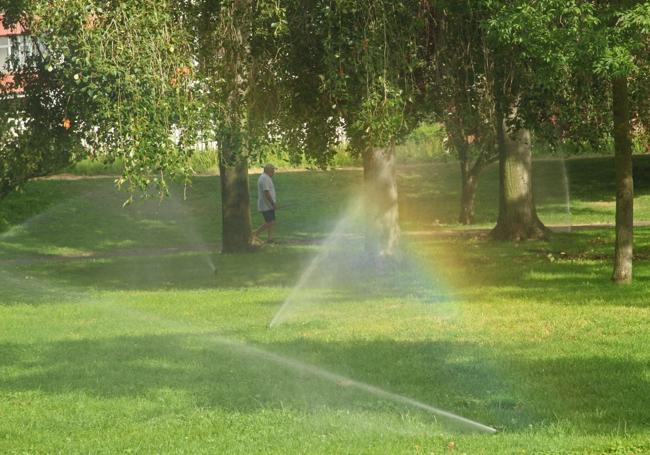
{"type": "Point", "coordinates": [116, 336]}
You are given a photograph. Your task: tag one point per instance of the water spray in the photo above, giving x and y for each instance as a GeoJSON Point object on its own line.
{"type": "Point", "coordinates": [343, 381]}
{"type": "Point", "coordinates": [302, 367]}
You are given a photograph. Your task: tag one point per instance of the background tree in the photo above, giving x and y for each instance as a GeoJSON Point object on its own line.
{"type": "Point", "coordinates": [224, 33]}
{"type": "Point", "coordinates": [597, 52]}
{"type": "Point", "coordinates": [625, 52]}
{"type": "Point", "coordinates": [480, 86]}
{"type": "Point", "coordinates": [459, 68]}
{"type": "Point", "coordinates": [372, 52]}
{"type": "Point", "coordinates": [521, 81]}
{"type": "Point", "coordinates": [238, 54]}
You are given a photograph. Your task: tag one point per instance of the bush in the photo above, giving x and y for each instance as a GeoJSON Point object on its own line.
{"type": "Point", "coordinates": [95, 167]}
{"type": "Point", "coordinates": [424, 144]}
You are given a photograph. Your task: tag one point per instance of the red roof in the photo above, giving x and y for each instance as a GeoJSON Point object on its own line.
{"type": "Point", "coordinates": [7, 80]}
{"type": "Point", "coordinates": [16, 29]}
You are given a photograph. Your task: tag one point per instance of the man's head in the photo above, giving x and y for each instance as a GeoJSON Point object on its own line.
{"type": "Point", "coordinates": [269, 169]}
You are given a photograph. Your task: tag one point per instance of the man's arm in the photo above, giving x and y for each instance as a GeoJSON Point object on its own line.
{"type": "Point", "coordinates": [267, 195]}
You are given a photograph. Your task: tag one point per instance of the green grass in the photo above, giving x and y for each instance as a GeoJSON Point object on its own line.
{"type": "Point", "coordinates": [116, 337]}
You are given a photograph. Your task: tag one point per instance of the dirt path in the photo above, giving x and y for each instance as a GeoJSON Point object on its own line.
{"type": "Point", "coordinates": [134, 252]}
{"type": "Point", "coordinates": [478, 232]}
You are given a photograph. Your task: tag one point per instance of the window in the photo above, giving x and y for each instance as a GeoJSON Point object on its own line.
{"type": "Point", "coordinates": [26, 48]}
{"type": "Point", "coordinates": [9, 45]}
{"type": "Point", "coordinates": [5, 52]}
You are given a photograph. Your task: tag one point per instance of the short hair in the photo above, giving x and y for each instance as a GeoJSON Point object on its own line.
{"type": "Point", "coordinates": [269, 167]}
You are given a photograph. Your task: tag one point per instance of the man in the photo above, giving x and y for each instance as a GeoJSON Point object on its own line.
{"type": "Point", "coordinates": [266, 202]}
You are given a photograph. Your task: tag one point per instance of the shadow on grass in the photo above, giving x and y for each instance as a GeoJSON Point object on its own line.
{"type": "Point", "coordinates": [167, 272]}
{"type": "Point", "coordinates": [344, 275]}
{"type": "Point", "coordinates": [452, 376]}
{"type": "Point", "coordinates": [430, 194]}
{"type": "Point", "coordinates": [595, 394]}
{"type": "Point", "coordinates": [594, 179]}
{"type": "Point", "coordinates": [566, 283]}
{"type": "Point", "coordinates": [603, 394]}
{"type": "Point", "coordinates": [573, 268]}
{"type": "Point", "coordinates": [89, 216]}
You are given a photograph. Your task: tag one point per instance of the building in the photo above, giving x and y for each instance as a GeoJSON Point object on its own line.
{"type": "Point", "coordinates": [11, 39]}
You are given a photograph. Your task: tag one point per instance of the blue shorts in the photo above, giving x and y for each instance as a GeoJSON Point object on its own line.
{"type": "Point", "coordinates": [269, 215]}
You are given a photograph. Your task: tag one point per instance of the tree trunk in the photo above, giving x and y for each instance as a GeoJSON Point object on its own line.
{"type": "Point", "coordinates": [518, 218]}
{"type": "Point", "coordinates": [624, 183]}
{"type": "Point", "coordinates": [382, 233]}
{"type": "Point", "coordinates": [469, 182]}
{"type": "Point", "coordinates": [469, 172]}
{"type": "Point", "coordinates": [235, 198]}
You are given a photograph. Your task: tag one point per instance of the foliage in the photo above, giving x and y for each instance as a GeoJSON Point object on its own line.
{"type": "Point", "coordinates": [119, 80]}
{"type": "Point", "coordinates": [424, 144]}
{"type": "Point", "coordinates": [372, 53]}
{"type": "Point", "coordinates": [460, 80]}
{"type": "Point", "coordinates": [348, 74]}
{"type": "Point", "coordinates": [108, 80]}
{"type": "Point", "coordinates": [307, 123]}
{"type": "Point", "coordinates": [233, 69]}
{"type": "Point", "coordinates": [570, 53]}
{"type": "Point", "coordinates": [31, 148]}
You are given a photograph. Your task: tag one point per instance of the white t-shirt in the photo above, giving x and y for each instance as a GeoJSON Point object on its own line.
{"type": "Point", "coordinates": [265, 183]}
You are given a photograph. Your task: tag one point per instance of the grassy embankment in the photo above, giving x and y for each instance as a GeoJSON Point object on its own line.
{"type": "Point", "coordinates": [116, 336]}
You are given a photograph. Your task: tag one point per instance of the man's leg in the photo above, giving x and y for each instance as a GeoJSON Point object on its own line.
{"type": "Point", "coordinates": [259, 230]}
{"type": "Point", "coordinates": [269, 222]}
{"type": "Point", "coordinates": [269, 217]}
{"type": "Point", "coordinates": [270, 230]}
